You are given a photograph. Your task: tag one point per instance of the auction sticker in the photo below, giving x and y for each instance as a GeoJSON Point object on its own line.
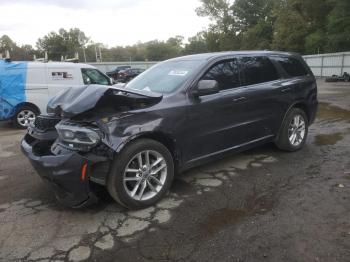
{"type": "Point", "coordinates": [178, 73]}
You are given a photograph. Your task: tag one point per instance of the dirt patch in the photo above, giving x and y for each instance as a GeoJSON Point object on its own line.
{"type": "Point", "coordinates": [221, 218]}
{"type": "Point", "coordinates": [327, 112]}
{"type": "Point", "coordinates": [328, 139]}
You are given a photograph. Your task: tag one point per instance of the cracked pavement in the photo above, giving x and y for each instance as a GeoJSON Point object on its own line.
{"type": "Point", "coordinates": [263, 204]}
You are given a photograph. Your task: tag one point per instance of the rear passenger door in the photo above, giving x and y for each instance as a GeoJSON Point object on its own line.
{"type": "Point", "coordinates": [267, 96]}
{"type": "Point", "coordinates": [300, 78]}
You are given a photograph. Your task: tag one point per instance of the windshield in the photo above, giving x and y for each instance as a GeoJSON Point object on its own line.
{"type": "Point", "coordinates": [166, 77]}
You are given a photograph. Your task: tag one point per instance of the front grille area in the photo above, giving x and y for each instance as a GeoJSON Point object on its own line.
{"type": "Point", "coordinates": [45, 122]}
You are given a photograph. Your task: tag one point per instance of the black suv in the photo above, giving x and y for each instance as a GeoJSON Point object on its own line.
{"type": "Point", "coordinates": [126, 75]}
{"type": "Point", "coordinates": [179, 114]}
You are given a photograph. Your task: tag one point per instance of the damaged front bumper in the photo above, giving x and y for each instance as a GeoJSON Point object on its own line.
{"type": "Point", "coordinates": [69, 173]}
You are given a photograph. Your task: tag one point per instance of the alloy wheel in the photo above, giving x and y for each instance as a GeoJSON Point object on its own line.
{"type": "Point", "coordinates": [25, 117]}
{"type": "Point", "coordinates": [297, 130]}
{"type": "Point", "coordinates": [145, 175]}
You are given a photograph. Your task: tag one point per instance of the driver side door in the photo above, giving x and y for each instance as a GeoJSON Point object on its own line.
{"type": "Point", "coordinates": [216, 122]}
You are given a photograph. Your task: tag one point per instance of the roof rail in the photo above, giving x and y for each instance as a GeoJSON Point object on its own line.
{"type": "Point", "coordinates": [75, 59]}
{"type": "Point", "coordinates": [44, 59]}
{"type": "Point", "coordinates": [7, 56]}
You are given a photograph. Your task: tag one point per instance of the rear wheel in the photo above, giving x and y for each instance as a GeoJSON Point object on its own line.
{"type": "Point", "coordinates": [24, 116]}
{"type": "Point", "coordinates": [293, 132]}
{"type": "Point", "coordinates": [141, 174]}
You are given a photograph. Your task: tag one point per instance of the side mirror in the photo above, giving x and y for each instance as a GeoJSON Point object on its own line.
{"type": "Point", "coordinates": [206, 87]}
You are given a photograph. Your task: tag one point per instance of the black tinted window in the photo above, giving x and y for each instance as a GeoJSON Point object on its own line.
{"type": "Point", "coordinates": [225, 73]}
{"type": "Point", "coordinates": [257, 70]}
{"type": "Point", "coordinates": [292, 66]}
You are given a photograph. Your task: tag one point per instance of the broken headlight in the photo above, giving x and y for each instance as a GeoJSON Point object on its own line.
{"type": "Point", "coordinates": [78, 137]}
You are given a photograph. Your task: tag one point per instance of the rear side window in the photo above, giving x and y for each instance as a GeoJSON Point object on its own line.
{"type": "Point", "coordinates": [292, 66]}
{"type": "Point", "coordinates": [226, 73]}
{"type": "Point", "coordinates": [256, 70]}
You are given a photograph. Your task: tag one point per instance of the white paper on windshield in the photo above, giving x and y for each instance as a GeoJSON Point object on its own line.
{"type": "Point", "coordinates": [178, 73]}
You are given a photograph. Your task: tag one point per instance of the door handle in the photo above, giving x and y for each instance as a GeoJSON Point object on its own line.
{"type": "Point", "coordinates": [286, 90]}
{"type": "Point", "coordinates": [239, 99]}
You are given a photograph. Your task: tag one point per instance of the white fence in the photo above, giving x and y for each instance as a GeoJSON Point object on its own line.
{"type": "Point", "coordinates": [108, 66]}
{"type": "Point", "coordinates": [329, 64]}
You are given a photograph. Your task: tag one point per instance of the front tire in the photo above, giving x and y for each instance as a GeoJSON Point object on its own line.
{"type": "Point", "coordinates": [141, 174]}
{"type": "Point", "coordinates": [293, 132]}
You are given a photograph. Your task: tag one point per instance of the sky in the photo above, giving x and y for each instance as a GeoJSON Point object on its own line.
{"type": "Point", "coordinates": [112, 22]}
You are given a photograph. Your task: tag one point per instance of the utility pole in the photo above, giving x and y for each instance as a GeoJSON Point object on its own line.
{"type": "Point", "coordinates": [97, 58]}
{"type": "Point", "coordinates": [100, 53]}
{"type": "Point", "coordinates": [84, 54]}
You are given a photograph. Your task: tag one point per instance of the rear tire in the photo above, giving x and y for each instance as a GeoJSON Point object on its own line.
{"type": "Point", "coordinates": [131, 183]}
{"type": "Point", "coordinates": [24, 115]}
{"type": "Point", "coordinates": [293, 132]}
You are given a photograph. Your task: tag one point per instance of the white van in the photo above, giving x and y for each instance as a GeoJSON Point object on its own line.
{"type": "Point", "coordinates": [26, 87]}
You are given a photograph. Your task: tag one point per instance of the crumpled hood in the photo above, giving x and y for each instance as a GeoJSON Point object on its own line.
{"type": "Point", "coordinates": [98, 98]}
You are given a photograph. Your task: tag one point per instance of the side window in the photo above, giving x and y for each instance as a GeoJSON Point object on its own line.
{"type": "Point", "coordinates": [93, 76]}
{"type": "Point", "coordinates": [292, 66]}
{"type": "Point", "coordinates": [259, 69]}
{"type": "Point", "coordinates": [225, 73]}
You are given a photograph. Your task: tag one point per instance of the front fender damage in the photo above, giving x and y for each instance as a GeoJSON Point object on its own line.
{"type": "Point", "coordinates": [116, 111]}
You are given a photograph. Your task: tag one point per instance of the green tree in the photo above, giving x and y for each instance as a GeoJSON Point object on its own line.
{"type": "Point", "coordinates": [24, 53]}
{"type": "Point", "coordinates": [240, 24]}
{"type": "Point", "coordinates": [220, 13]}
{"type": "Point", "coordinates": [316, 42]}
{"type": "Point", "coordinates": [63, 43]}
{"type": "Point", "coordinates": [301, 25]}
{"type": "Point", "coordinates": [338, 27]}
{"type": "Point", "coordinates": [249, 13]}
{"type": "Point", "coordinates": [257, 37]}
{"type": "Point", "coordinates": [222, 33]}
{"type": "Point", "coordinates": [289, 32]}
{"type": "Point", "coordinates": [255, 22]}
{"type": "Point", "coordinates": [196, 44]}
{"type": "Point", "coordinates": [6, 44]}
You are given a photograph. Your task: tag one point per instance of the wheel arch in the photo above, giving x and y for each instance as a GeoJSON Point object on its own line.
{"type": "Point", "coordinates": [24, 104]}
{"type": "Point", "coordinates": [298, 104]}
{"type": "Point", "coordinates": [165, 139]}
{"type": "Point", "coordinates": [303, 106]}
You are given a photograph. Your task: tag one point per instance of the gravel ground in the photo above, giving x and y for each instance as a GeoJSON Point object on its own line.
{"type": "Point", "coordinates": [261, 205]}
